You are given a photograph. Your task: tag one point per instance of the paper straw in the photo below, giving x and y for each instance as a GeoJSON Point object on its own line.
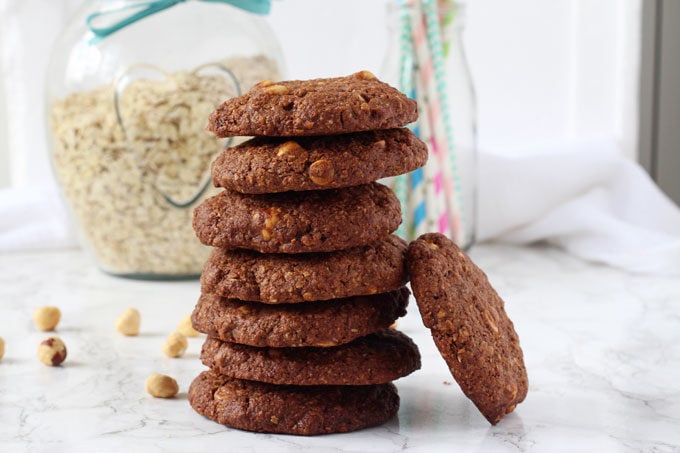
{"type": "Point", "coordinates": [436, 219]}
{"type": "Point", "coordinates": [437, 209]}
{"type": "Point", "coordinates": [444, 131]}
{"type": "Point", "coordinates": [401, 183]}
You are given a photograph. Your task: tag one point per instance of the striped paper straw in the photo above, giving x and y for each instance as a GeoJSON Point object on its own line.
{"type": "Point", "coordinates": [401, 183]}
{"type": "Point", "coordinates": [437, 209]}
{"type": "Point", "coordinates": [441, 116]}
{"type": "Point", "coordinates": [437, 219]}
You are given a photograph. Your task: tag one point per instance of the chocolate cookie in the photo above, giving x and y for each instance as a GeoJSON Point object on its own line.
{"type": "Point", "coordinates": [255, 406]}
{"type": "Point", "coordinates": [374, 359]}
{"type": "Point", "coordinates": [268, 165]}
{"type": "Point", "coordinates": [469, 325]}
{"type": "Point", "coordinates": [275, 278]}
{"type": "Point", "coordinates": [326, 323]}
{"type": "Point", "coordinates": [359, 102]}
{"type": "Point", "coordinates": [298, 222]}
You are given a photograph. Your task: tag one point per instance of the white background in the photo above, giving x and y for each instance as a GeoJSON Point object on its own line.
{"type": "Point", "coordinates": [546, 72]}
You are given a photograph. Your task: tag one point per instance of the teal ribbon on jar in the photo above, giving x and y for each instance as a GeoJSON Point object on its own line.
{"type": "Point", "coordinates": [144, 9]}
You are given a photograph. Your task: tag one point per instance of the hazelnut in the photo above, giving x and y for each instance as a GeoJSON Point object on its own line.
{"type": "Point", "coordinates": [46, 318]}
{"type": "Point", "coordinates": [2, 348]}
{"type": "Point", "coordinates": [269, 223]}
{"type": "Point", "coordinates": [365, 75]}
{"type": "Point", "coordinates": [380, 144]}
{"type": "Point", "coordinates": [460, 354]}
{"type": "Point", "coordinates": [161, 386]}
{"type": "Point", "coordinates": [276, 89]}
{"type": "Point", "coordinates": [489, 320]}
{"type": "Point", "coordinates": [186, 328]}
{"type": "Point", "coordinates": [511, 391]}
{"type": "Point", "coordinates": [321, 172]}
{"type": "Point", "coordinates": [289, 149]}
{"type": "Point", "coordinates": [223, 393]}
{"type": "Point", "coordinates": [175, 345]}
{"type": "Point", "coordinates": [128, 322]}
{"type": "Point", "coordinates": [52, 351]}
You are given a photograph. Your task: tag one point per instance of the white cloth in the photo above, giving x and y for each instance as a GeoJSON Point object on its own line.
{"type": "Point", "coordinates": [589, 200]}
{"type": "Point", "coordinates": [33, 218]}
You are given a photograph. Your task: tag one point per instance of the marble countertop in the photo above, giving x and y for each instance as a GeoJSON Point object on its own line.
{"type": "Point", "coordinates": [602, 349]}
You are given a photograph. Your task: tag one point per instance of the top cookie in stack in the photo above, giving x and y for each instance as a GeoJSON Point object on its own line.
{"type": "Point", "coordinates": [306, 276]}
{"type": "Point", "coordinates": [359, 102]}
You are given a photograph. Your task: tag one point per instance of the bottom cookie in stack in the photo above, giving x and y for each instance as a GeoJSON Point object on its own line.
{"type": "Point", "coordinates": [292, 409]}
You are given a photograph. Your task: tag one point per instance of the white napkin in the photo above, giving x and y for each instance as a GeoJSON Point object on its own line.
{"type": "Point", "coordinates": [585, 198]}
{"type": "Point", "coordinates": [33, 218]}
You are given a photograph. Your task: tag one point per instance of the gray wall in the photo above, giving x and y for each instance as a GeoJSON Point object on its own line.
{"type": "Point", "coordinates": [660, 94]}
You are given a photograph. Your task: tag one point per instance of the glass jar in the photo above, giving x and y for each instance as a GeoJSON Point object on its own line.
{"type": "Point", "coordinates": [426, 59]}
{"type": "Point", "coordinates": [130, 86]}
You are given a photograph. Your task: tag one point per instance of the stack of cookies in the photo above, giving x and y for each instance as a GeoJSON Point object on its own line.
{"type": "Point", "coordinates": [306, 277]}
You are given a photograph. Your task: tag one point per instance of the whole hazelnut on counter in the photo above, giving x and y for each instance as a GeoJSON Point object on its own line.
{"type": "Point", "coordinates": [52, 351]}
{"type": "Point", "coordinates": [128, 322]}
{"type": "Point", "coordinates": [175, 345]}
{"type": "Point", "coordinates": [186, 328]}
{"type": "Point", "coordinates": [46, 318]}
{"type": "Point", "coordinates": [161, 386]}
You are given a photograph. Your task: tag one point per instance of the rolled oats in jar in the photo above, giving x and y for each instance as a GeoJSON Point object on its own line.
{"type": "Point", "coordinates": [128, 108]}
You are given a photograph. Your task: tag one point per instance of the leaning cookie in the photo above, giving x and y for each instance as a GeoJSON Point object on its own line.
{"type": "Point", "coordinates": [378, 358]}
{"type": "Point", "coordinates": [298, 222]}
{"type": "Point", "coordinates": [469, 325]}
{"type": "Point", "coordinates": [274, 278]}
{"type": "Point", "coordinates": [324, 323]}
{"type": "Point", "coordinates": [260, 407]}
{"type": "Point", "coordinates": [268, 165]}
{"type": "Point", "coordinates": [359, 102]}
